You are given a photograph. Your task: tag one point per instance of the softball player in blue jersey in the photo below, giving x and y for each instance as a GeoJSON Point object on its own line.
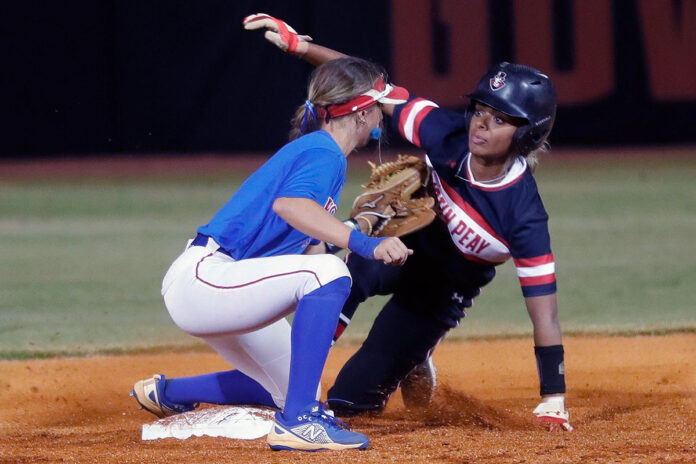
{"type": "Point", "coordinates": [489, 210]}
{"type": "Point", "coordinates": [254, 263]}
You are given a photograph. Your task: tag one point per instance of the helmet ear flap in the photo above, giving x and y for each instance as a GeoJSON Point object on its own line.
{"type": "Point", "coordinates": [527, 138]}
{"type": "Point", "coordinates": [521, 138]}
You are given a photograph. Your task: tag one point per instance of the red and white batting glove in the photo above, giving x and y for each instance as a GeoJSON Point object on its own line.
{"type": "Point", "coordinates": [278, 32]}
{"type": "Point", "coordinates": [551, 412]}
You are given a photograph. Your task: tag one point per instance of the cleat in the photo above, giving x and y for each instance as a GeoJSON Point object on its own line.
{"type": "Point", "coordinates": [149, 394]}
{"type": "Point", "coordinates": [313, 429]}
{"type": "Point", "coordinates": [418, 387]}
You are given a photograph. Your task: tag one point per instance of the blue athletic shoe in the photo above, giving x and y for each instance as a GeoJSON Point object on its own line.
{"type": "Point", "coordinates": [313, 429]}
{"type": "Point", "coordinates": [149, 394]}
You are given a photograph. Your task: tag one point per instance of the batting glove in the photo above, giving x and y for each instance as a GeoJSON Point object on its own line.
{"type": "Point", "coordinates": [551, 412]}
{"type": "Point", "coordinates": [278, 32]}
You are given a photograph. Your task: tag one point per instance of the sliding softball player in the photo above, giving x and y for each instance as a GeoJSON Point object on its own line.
{"type": "Point", "coordinates": [489, 210]}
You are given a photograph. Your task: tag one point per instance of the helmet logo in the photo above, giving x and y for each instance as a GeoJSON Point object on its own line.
{"type": "Point", "coordinates": [497, 82]}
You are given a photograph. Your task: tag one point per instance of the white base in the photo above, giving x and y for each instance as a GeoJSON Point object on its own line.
{"type": "Point", "coordinates": [240, 422]}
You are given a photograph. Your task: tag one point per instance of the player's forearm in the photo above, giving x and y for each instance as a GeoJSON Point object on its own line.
{"type": "Point", "coordinates": [548, 347]}
{"type": "Point", "coordinates": [543, 311]}
{"type": "Point", "coordinates": [547, 333]}
{"type": "Point", "coordinates": [317, 55]}
{"type": "Point", "coordinates": [309, 218]}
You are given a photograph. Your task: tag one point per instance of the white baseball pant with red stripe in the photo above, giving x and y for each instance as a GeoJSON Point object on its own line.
{"type": "Point", "coordinates": [239, 307]}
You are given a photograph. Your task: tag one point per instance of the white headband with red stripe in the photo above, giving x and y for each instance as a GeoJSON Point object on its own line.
{"type": "Point", "coordinates": [381, 92]}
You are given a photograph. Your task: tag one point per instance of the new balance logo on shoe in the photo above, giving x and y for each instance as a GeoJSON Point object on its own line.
{"type": "Point", "coordinates": [313, 428]}
{"type": "Point", "coordinates": [312, 432]}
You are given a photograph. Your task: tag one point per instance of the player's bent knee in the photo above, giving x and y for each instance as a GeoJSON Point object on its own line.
{"type": "Point", "coordinates": [321, 270]}
{"type": "Point", "coordinates": [329, 268]}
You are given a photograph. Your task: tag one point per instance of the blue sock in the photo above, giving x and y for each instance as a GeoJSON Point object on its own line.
{"type": "Point", "coordinates": [229, 387]}
{"type": "Point", "coordinates": [313, 327]}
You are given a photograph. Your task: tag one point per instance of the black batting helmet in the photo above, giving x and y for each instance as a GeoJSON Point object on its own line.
{"type": "Point", "coordinates": [522, 92]}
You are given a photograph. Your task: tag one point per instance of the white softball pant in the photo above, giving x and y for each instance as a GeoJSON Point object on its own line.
{"type": "Point", "coordinates": [239, 307]}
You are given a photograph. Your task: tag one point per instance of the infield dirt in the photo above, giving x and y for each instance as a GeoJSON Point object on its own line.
{"type": "Point", "coordinates": [632, 400]}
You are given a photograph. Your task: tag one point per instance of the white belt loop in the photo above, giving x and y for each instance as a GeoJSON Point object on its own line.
{"type": "Point", "coordinates": [212, 245]}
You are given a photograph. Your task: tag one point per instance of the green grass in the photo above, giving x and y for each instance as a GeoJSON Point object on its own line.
{"type": "Point", "coordinates": [81, 260]}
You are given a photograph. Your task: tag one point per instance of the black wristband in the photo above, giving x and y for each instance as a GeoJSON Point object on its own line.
{"type": "Point", "coordinates": [551, 369]}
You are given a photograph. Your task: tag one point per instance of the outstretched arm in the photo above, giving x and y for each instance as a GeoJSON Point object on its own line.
{"type": "Point", "coordinates": [543, 310]}
{"type": "Point", "coordinates": [283, 36]}
{"type": "Point", "coordinates": [317, 55]}
{"type": "Point", "coordinates": [548, 349]}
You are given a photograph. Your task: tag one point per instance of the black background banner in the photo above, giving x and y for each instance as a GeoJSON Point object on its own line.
{"type": "Point", "coordinates": [101, 77]}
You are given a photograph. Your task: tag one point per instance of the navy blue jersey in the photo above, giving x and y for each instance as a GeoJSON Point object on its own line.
{"type": "Point", "coordinates": [485, 224]}
{"type": "Point", "coordinates": [312, 166]}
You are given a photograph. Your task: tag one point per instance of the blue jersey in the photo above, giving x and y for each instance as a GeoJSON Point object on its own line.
{"type": "Point", "coordinates": [483, 224]}
{"type": "Point", "coordinates": [312, 167]}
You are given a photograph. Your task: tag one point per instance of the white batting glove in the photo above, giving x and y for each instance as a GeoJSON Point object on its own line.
{"type": "Point", "coordinates": [551, 411]}
{"type": "Point", "coordinates": [278, 32]}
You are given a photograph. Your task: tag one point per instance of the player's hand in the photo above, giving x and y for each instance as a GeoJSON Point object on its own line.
{"type": "Point", "coordinates": [278, 32]}
{"type": "Point", "coordinates": [551, 412]}
{"type": "Point", "coordinates": [391, 250]}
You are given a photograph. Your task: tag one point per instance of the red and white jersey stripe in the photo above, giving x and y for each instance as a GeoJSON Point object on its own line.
{"type": "Point", "coordinates": [536, 271]}
{"type": "Point", "coordinates": [411, 117]}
